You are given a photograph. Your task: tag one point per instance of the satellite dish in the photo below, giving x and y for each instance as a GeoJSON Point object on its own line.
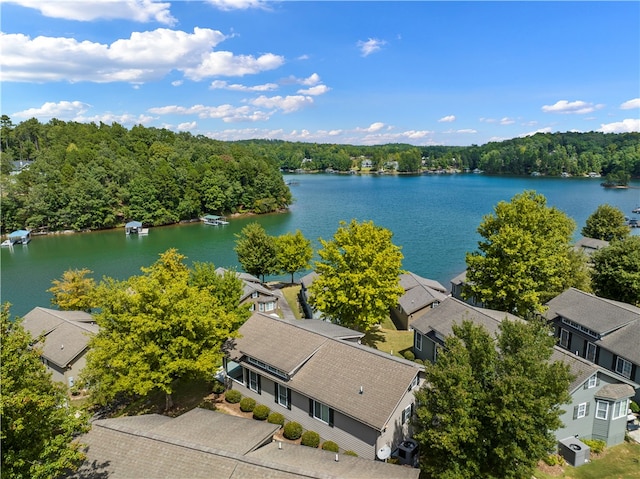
{"type": "Point", "coordinates": [384, 453]}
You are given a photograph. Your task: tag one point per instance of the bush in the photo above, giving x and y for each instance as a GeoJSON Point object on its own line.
{"type": "Point", "coordinates": [261, 412]}
{"type": "Point", "coordinates": [330, 446]}
{"type": "Point", "coordinates": [207, 405]}
{"type": "Point", "coordinates": [554, 460]}
{"type": "Point", "coordinates": [409, 355]}
{"type": "Point", "coordinates": [292, 430]}
{"type": "Point", "coordinates": [310, 439]}
{"type": "Point", "coordinates": [218, 387]}
{"type": "Point", "coordinates": [635, 409]}
{"type": "Point", "coordinates": [247, 404]}
{"type": "Point", "coordinates": [276, 418]}
{"type": "Point", "coordinates": [596, 445]}
{"type": "Point", "coordinates": [419, 361]}
{"type": "Point", "coordinates": [350, 453]}
{"type": "Point", "coordinates": [233, 396]}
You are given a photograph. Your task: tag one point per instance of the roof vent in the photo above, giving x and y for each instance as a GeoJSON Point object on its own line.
{"type": "Point", "coordinates": [62, 346]}
{"type": "Point", "coordinates": [361, 389]}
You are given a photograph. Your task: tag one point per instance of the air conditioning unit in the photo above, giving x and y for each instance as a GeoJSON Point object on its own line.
{"type": "Point", "coordinates": [574, 451]}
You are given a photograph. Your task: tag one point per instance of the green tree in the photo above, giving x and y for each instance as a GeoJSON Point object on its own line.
{"type": "Point", "coordinates": [227, 287]}
{"type": "Point", "coordinates": [358, 276]}
{"type": "Point", "coordinates": [256, 250]}
{"type": "Point", "coordinates": [155, 329]}
{"type": "Point", "coordinates": [294, 252]}
{"type": "Point", "coordinates": [606, 223]}
{"type": "Point", "coordinates": [616, 271]}
{"type": "Point", "coordinates": [490, 405]}
{"type": "Point", "coordinates": [74, 291]}
{"type": "Point", "coordinates": [38, 425]}
{"type": "Point", "coordinates": [524, 258]}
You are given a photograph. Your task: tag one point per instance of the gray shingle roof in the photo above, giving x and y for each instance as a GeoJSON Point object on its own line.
{"type": "Point", "coordinates": [598, 314]}
{"type": "Point", "coordinates": [419, 297]}
{"type": "Point", "coordinates": [65, 334]}
{"type": "Point", "coordinates": [410, 280]}
{"type": "Point", "coordinates": [624, 342]}
{"type": "Point", "coordinates": [580, 368]}
{"type": "Point", "coordinates": [327, 328]}
{"type": "Point", "coordinates": [614, 392]}
{"type": "Point", "coordinates": [589, 245]}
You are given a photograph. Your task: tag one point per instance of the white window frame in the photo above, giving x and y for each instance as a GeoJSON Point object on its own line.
{"type": "Point", "coordinates": [254, 381]}
{"type": "Point", "coordinates": [284, 402]}
{"type": "Point", "coordinates": [319, 410]}
{"type": "Point", "coordinates": [590, 353]}
{"type": "Point", "coordinates": [582, 410]}
{"type": "Point", "coordinates": [623, 367]}
{"type": "Point", "coordinates": [406, 414]}
{"type": "Point", "coordinates": [261, 307]}
{"type": "Point", "coordinates": [592, 382]}
{"type": "Point", "coordinates": [602, 410]}
{"type": "Point", "coordinates": [564, 338]}
{"type": "Point", "coordinates": [270, 306]}
{"type": "Point", "coordinates": [619, 409]}
{"type": "Point", "coordinates": [255, 294]}
{"type": "Point", "coordinates": [418, 341]}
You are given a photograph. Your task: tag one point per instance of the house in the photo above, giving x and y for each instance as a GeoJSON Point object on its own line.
{"type": "Point", "coordinates": [599, 398]}
{"type": "Point", "coordinates": [205, 444]}
{"type": "Point", "coordinates": [62, 338]}
{"type": "Point", "coordinates": [255, 293]}
{"type": "Point", "coordinates": [589, 246]}
{"type": "Point", "coordinates": [303, 296]}
{"type": "Point", "coordinates": [358, 397]}
{"type": "Point", "coordinates": [458, 284]}
{"type": "Point", "coordinates": [600, 330]}
{"type": "Point", "coordinates": [420, 294]}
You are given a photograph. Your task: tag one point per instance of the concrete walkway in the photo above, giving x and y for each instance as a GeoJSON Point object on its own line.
{"type": "Point", "coordinates": [284, 306]}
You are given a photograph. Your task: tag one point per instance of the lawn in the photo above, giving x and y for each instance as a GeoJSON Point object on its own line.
{"type": "Point", "coordinates": [618, 462]}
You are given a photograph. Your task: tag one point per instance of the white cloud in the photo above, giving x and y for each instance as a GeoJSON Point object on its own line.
{"type": "Point", "coordinates": [467, 131]}
{"type": "Point", "coordinates": [630, 104]}
{"type": "Point", "coordinates": [547, 129]}
{"type": "Point", "coordinates": [187, 126]}
{"type": "Point", "coordinates": [311, 80]}
{"type": "Point", "coordinates": [377, 126]}
{"type": "Point", "coordinates": [315, 90]}
{"type": "Point", "coordinates": [447, 119]}
{"type": "Point", "coordinates": [61, 110]}
{"type": "Point", "coordinates": [143, 57]}
{"type": "Point", "coordinates": [577, 107]}
{"type": "Point", "coordinates": [227, 5]}
{"type": "Point", "coordinates": [226, 113]}
{"type": "Point", "coordinates": [372, 45]}
{"type": "Point", "coordinates": [625, 126]}
{"type": "Point", "coordinates": [177, 83]}
{"type": "Point", "coordinates": [507, 121]}
{"type": "Point", "coordinates": [287, 104]}
{"type": "Point", "coordinates": [223, 85]}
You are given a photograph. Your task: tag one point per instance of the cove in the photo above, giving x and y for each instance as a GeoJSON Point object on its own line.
{"type": "Point", "coordinates": [433, 218]}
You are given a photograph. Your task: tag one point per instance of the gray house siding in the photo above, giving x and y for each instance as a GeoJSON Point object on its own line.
{"type": "Point", "coordinates": [600, 430]}
{"type": "Point", "coordinates": [582, 426]}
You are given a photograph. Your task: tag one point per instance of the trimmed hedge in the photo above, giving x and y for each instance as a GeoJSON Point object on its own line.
{"type": "Point", "coordinates": [233, 396]}
{"type": "Point", "coordinates": [261, 412]}
{"type": "Point", "coordinates": [330, 446]}
{"type": "Point", "coordinates": [247, 404]}
{"type": "Point", "coordinates": [292, 430]}
{"type": "Point", "coordinates": [310, 439]}
{"type": "Point", "coordinates": [218, 387]}
{"type": "Point", "coordinates": [276, 418]}
{"type": "Point", "coordinates": [409, 355]}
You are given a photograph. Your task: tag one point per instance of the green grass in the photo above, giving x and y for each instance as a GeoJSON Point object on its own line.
{"type": "Point", "coordinates": [291, 295]}
{"type": "Point", "coordinates": [618, 462]}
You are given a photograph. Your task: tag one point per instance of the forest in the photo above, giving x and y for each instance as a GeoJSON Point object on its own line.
{"type": "Point", "coordinates": [85, 176]}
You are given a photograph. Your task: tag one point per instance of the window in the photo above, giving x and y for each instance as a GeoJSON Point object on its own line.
{"type": "Point", "coordinates": [418, 341]}
{"type": "Point", "coordinates": [322, 412]}
{"type": "Point", "coordinates": [435, 352]}
{"type": "Point", "coordinates": [602, 409]}
{"type": "Point", "coordinates": [619, 409]}
{"type": "Point", "coordinates": [592, 382]}
{"type": "Point", "coordinates": [255, 294]}
{"type": "Point", "coordinates": [591, 352]}
{"type": "Point", "coordinates": [270, 306]}
{"type": "Point", "coordinates": [254, 381]}
{"type": "Point", "coordinates": [261, 307]}
{"type": "Point", "coordinates": [623, 367]}
{"type": "Point", "coordinates": [564, 338]}
{"type": "Point", "coordinates": [234, 371]}
{"type": "Point", "coordinates": [581, 410]}
{"type": "Point", "coordinates": [407, 413]}
{"type": "Point", "coordinates": [414, 383]}
{"type": "Point", "coordinates": [283, 396]}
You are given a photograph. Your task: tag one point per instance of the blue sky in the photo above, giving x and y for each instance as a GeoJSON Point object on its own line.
{"type": "Point", "coordinates": [425, 73]}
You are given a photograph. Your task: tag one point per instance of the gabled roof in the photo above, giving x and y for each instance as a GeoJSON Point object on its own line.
{"type": "Point", "coordinates": [329, 370]}
{"type": "Point", "coordinates": [600, 315]}
{"type": "Point", "coordinates": [65, 334]}
{"type": "Point", "coordinates": [307, 279]}
{"type": "Point", "coordinates": [419, 297]}
{"type": "Point", "coordinates": [624, 342]}
{"type": "Point", "coordinates": [615, 392]}
{"type": "Point", "coordinates": [580, 368]}
{"type": "Point", "coordinates": [460, 279]}
{"type": "Point", "coordinates": [240, 274]}
{"type": "Point", "coordinates": [410, 280]}
{"type": "Point", "coordinates": [589, 245]}
{"type": "Point", "coordinates": [327, 328]}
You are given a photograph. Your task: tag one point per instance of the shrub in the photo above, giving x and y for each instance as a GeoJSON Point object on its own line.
{"type": "Point", "coordinates": [276, 418]}
{"type": "Point", "coordinates": [292, 430]}
{"type": "Point", "coordinates": [233, 396]}
{"type": "Point", "coordinates": [330, 446]}
{"type": "Point", "coordinates": [419, 361]}
{"type": "Point", "coordinates": [247, 404]}
{"type": "Point", "coordinates": [261, 412]}
{"type": "Point", "coordinates": [635, 409]}
{"type": "Point", "coordinates": [596, 445]}
{"type": "Point", "coordinates": [350, 453]}
{"type": "Point", "coordinates": [218, 387]}
{"type": "Point", "coordinates": [409, 355]}
{"type": "Point", "coordinates": [207, 405]}
{"type": "Point", "coordinates": [554, 460]}
{"type": "Point", "coordinates": [310, 439]}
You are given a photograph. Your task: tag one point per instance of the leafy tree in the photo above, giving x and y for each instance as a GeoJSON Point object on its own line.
{"type": "Point", "coordinates": [227, 287]}
{"type": "Point", "coordinates": [616, 271]}
{"type": "Point", "coordinates": [490, 405]}
{"type": "Point", "coordinates": [256, 250]}
{"type": "Point", "coordinates": [73, 292]}
{"type": "Point", "coordinates": [358, 276]}
{"type": "Point", "coordinates": [524, 258]}
{"type": "Point", "coordinates": [155, 329]}
{"type": "Point", "coordinates": [606, 223]}
{"type": "Point", "coordinates": [38, 425]}
{"type": "Point", "coordinates": [294, 252]}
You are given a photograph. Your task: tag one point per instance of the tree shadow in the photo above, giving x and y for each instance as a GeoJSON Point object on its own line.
{"type": "Point", "coordinates": [92, 470]}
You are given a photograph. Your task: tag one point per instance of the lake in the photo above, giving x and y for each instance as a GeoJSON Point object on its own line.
{"type": "Point", "coordinates": [433, 218]}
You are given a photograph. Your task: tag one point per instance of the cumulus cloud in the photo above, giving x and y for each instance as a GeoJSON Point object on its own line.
{"type": "Point", "coordinates": [137, 10]}
{"type": "Point", "coordinates": [287, 104]}
{"type": "Point", "coordinates": [625, 126]}
{"type": "Point", "coordinates": [187, 126]}
{"type": "Point", "coordinates": [60, 110]}
{"type": "Point", "coordinates": [227, 5]}
{"type": "Point", "coordinates": [447, 119]}
{"type": "Point", "coordinates": [315, 90]}
{"type": "Point", "coordinates": [372, 45]}
{"type": "Point", "coordinates": [630, 104]}
{"type": "Point", "coordinates": [223, 85]}
{"type": "Point", "coordinates": [226, 113]}
{"type": "Point", "coordinates": [577, 107]}
{"type": "Point", "coordinates": [143, 57]}
{"type": "Point", "coordinates": [547, 129]}
{"type": "Point", "coordinates": [377, 126]}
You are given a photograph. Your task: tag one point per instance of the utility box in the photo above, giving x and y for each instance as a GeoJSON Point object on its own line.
{"type": "Point", "coordinates": [574, 451]}
{"type": "Point", "coordinates": [407, 453]}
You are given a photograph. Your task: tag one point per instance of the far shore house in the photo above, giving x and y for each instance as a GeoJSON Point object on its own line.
{"type": "Point", "coordinates": [599, 398]}
{"type": "Point", "coordinates": [254, 292]}
{"type": "Point", "coordinates": [63, 338]}
{"type": "Point", "coordinates": [358, 397]}
{"type": "Point", "coordinates": [420, 295]}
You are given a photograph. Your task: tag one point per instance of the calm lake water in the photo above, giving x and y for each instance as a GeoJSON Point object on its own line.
{"type": "Point", "coordinates": [433, 218]}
